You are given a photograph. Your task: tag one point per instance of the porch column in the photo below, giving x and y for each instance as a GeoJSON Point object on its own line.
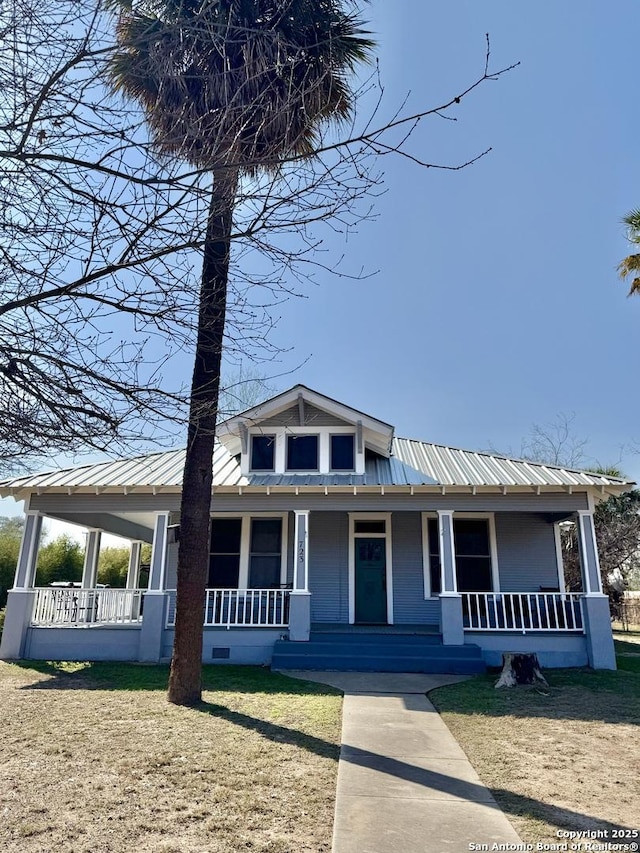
{"type": "Point", "coordinates": [557, 538]}
{"type": "Point", "coordinates": [158, 567]}
{"type": "Point", "coordinates": [450, 599]}
{"type": "Point", "coordinates": [28, 557]}
{"type": "Point", "coordinates": [153, 618]}
{"type": "Point", "coordinates": [20, 599]}
{"type": "Point", "coordinates": [91, 556]}
{"type": "Point", "coordinates": [133, 572]}
{"type": "Point", "coordinates": [300, 597]}
{"type": "Point", "coordinates": [595, 604]}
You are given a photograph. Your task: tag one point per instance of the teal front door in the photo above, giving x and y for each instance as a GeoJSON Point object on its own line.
{"type": "Point", "coordinates": [371, 581]}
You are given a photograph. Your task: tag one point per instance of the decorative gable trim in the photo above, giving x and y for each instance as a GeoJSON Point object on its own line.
{"type": "Point", "coordinates": [302, 403]}
{"type": "Point", "coordinates": [303, 414]}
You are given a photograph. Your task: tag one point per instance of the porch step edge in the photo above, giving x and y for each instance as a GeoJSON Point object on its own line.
{"type": "Point", "coordinates": [287, 648]}
{"type": "Point", "coordinates": [390, 639]}
{"type": "Point", "coordinates": [456, 666]}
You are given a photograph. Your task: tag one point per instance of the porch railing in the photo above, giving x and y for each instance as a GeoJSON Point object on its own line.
{"type": "Point", "coordinates": [522, 611]}
{"type": "Point", "coordinates": [73, 606]}
{"type": "Point", "coordinates": [240, 608]}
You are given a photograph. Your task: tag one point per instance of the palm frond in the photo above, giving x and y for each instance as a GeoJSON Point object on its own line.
{"type": "Point", "coordinates": [632, 221]}
{"type": "Point", "coordinates": [248, 79]}
{"type": "Point", "coordinates": [631, 266]}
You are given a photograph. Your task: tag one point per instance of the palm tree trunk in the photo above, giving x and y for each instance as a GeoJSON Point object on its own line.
{"type": "Point", "coordinates": [185, 680]}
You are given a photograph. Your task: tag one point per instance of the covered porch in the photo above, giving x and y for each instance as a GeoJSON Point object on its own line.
{"type": "Point", "coordinates": [397, 572]}
{"type": "Point", "coordinates": [87, 620]}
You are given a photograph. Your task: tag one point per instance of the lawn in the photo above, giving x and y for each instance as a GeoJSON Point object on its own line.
{"type": "Point", "coordinates": [93, 758]}
{"type": "Point", "coordinates": [563, 758]}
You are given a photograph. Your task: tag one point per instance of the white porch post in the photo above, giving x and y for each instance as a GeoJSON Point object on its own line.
{"type": "Point", "coordinates": [91, 556]}
{"type": "Point", "coordinates": [450, 599]}
{"type": "Point", "coordinates": [589, 559]}
{"type": "Point", "coordinates": [28, 557]}
{"type": "Point", "coordinates": [153, 618]}
{"type": "Point", "coordinates": [595, 604]}
{"type": "Point", "coordinates": [300, 598]}
{"type": "Point", "coordinates": [157, 572]}
{"type": "Point", "coordinates": [301, 556]}
{"type": "Point", "coordinates": [133, 572]}
{"type": "Point", "coordinates": [20, 599]}
{"type": "Point", "coordinates": [557, 538]}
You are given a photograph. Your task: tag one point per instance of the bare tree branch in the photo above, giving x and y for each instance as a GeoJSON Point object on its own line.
{"type": "Point", "coordinates": [101, 233]}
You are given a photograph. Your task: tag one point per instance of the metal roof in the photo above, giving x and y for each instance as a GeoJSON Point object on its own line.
{"type": "Point", "coordinates": [413, 463]}
{"type": "Point", "coordinates": [450, 466]}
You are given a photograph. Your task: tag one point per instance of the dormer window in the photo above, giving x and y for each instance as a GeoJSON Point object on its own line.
{"type": "Point", "coordinates": [302, 452]}
{"type": "Point", "coordinates": [342, 452]}
{"type": "Point", "coordinates": [263, 452]}
{"type": "Point", "coordinates": [303, 432]}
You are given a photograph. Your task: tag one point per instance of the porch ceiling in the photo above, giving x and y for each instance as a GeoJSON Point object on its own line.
{"type": "Point", "coordinates": [129, 525]}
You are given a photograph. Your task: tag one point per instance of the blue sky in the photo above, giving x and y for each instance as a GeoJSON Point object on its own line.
{"type": "Point", "coordinates": [495, 303]}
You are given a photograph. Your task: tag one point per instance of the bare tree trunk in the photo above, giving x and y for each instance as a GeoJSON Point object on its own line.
{"type": "Point", "coordinates": [185, 680]}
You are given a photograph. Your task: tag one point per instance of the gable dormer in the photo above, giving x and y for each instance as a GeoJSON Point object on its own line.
{"type": "Point", "coordinates": [303, 432]}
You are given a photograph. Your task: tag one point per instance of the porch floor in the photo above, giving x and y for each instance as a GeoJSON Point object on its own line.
{"type": "Point", "coordinates": [342, 628]}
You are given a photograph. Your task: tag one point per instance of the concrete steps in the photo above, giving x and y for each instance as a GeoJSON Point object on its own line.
{"type": "Point", "coordinates": [367, 652]}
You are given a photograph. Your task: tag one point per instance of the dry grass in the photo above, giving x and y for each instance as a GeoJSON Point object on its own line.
{"type": "Point", "coordinates": [93, 758]}
{"type": "Point", "coordinates": [631, 634]}
{"type": "Point", "coordinates": [563, 758]}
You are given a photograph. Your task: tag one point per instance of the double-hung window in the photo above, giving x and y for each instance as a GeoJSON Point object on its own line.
{"type": "Point", "coordinates": [473, 553]}
{"type": "Point", "coordinates": [248, 552]}
{"type": "Point", "coordinates": [265, 553]}
{"type": "Point", "coordinates": [224, 559]}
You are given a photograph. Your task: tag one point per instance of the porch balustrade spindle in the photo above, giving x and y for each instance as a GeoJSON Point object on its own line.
{"type": "Point", "coordinates": [240, 608]}
{"type": "Point", "coordinates": [523, 612]}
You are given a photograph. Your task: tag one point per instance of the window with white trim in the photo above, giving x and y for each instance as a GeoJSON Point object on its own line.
{"type": "Point", "coordinates": [433, 555]}
{"type": "Point", "coordinates": [248, 552]}
{"type": "Point", "coordinates": [224, 558]}
{"type": "Point", "coordinates": [265, 553]}
{"type": "Point", "coordinates": [475, 553]}
{"type": "Point", "coordinates": [302, 452]}
{"type": "Point", "coordinates": [263, 452]}
{"type": "Point", "coordinates": [342, 450]}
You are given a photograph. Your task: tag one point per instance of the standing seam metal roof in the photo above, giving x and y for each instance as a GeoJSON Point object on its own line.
{"type": "Point", "coordinates": [412, 463]}
{"type": "Point", "coordinates": [452, 466]}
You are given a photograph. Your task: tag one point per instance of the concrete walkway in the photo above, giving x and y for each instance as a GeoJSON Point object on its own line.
{"type": "Point", "coordinates": [404, 783]}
